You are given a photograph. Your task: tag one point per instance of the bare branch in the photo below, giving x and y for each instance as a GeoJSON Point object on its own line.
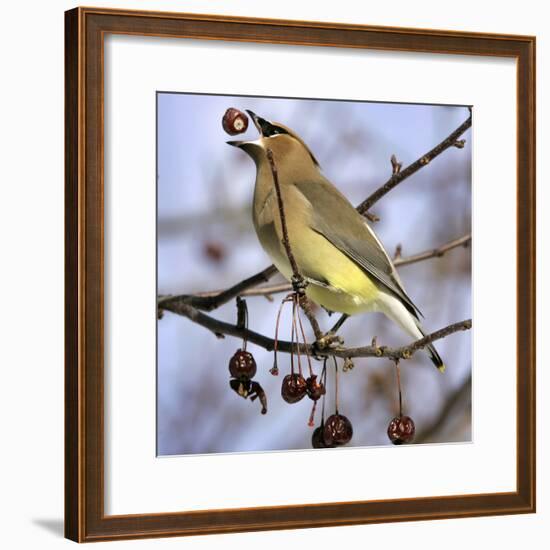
{"type": "Point", "coordinates": [220, 327]}
{"type": "Point", "coordinates": [434, 253]}
{"type": "Point", "coordinates": [405, 352]}
{"type": "Point", "coordinates": [397, 177]}
{"type": "Point", "coordinates": [211, 301]}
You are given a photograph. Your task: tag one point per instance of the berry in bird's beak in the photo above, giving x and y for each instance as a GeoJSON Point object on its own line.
{"type": "Point", "coordinates": [234, 121]}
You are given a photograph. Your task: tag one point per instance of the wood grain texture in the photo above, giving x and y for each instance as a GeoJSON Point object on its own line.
{"type": "Point", "coordinates": [73, 399]}
{"type": "Point", "coordinates": [84, 265]}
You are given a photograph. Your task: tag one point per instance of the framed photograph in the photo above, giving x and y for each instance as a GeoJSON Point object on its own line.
{"type": "Point", "coordinates": [300, 274]}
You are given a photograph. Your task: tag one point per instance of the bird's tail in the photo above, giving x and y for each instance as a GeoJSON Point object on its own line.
{"type": "Point", "coordinates": [434, 356]}
{"type": "Point", "coordinates": [408, 320]}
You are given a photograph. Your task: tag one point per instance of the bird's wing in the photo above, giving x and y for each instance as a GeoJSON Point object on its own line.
{"type": "Point", "coordinates": [335, 218]}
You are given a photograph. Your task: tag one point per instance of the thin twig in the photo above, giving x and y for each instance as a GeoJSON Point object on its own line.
{"type": "Point", "coordinates": [298, 281]}
{"type": "Point", "coordinates": [305, 304]}
{"type": "Point", "coordinates": [299, 284]}
{"type": "Point", "coordinates": [435, 253]}
{"type": "Point", "coordinates": [399, 176]}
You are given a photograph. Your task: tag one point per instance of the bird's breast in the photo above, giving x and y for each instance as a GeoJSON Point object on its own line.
{"type": "Point", "coordinates": [343, 285]}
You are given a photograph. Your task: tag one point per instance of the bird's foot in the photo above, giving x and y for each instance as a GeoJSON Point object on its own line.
{"type": "Point", "coordinates": [299, 284]}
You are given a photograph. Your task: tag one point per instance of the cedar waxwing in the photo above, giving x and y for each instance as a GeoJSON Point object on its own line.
{"type": "Point", "coordinates": [337, 253]}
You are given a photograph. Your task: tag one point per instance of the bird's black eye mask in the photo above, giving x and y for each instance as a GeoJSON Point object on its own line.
{"type": "Point", "coordinates": [269, 129]}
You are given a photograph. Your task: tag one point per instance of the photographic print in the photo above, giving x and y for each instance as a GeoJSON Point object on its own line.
{"type": "Point", "coordinates": [269, 274]}
{"type": "Point", "coordinates": [313, 274]}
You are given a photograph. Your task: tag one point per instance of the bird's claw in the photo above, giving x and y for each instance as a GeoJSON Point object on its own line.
{"type": "Point", "coordinates": [299, 284]}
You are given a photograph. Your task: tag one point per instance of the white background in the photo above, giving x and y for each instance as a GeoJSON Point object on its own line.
{"type": "Point", "coordinates": [32, 291]}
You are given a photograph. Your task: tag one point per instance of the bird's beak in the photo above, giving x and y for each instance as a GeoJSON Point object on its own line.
{"type": "Point", "coordinates": [258, 121]}
{"type": "Point", "coordinates": [236, 143]}
{"type": "Point", "coordinates": [263, 126]}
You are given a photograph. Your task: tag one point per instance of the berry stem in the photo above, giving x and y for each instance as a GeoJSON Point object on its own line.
{"type": "Point", "coordinates": [275, 369]}
{"type": "Point", "coordinates": [296, 334]}
{"type": "Point", "coordinates": [311, 421]}
{"type": "Point", "coordinates": [242, 318]}
{"type": "Point", "coordinates": [305, 343]}
{"type": "Point", "coordinates": [335, 384]}
{"type": "Point", "coordinates": [324, 381]}
{"type": "Point", "coordinates": [292, 347]}
{"type": "Point", "coordinates": [398, 375]}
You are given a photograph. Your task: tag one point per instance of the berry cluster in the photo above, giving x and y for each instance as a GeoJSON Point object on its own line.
{"type": "Point", "coordinates": [295, 386]}
{"type": "Point", "coordinates": [334, 431]}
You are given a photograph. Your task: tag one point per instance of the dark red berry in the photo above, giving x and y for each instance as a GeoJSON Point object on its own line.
{"type": "Point", "coordinates": [294, 388]}
{"type": "Point", "coordinates": [234, 121]}
{"type": "Point", "coordinates": [242, 365]}
{"type": "Point", "coordinates": [401, 430]}
{"type": "Point", "coordinates": [338, 430]}
{"type": "Point", "coordinates": [314, 389]}
{"type": "Point", "coordinates": [318, 438]}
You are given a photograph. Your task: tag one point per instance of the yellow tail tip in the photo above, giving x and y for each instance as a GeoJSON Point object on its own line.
{"type": "Point", "coordinates": [442, 368]}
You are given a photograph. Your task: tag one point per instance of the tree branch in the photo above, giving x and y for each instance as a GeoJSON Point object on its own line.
{"type": "Point", "coordinates": [222, 328]}
{"type": "Point", "coordinates": [405, 352]}
{"type": "Point", "coordinates": [211, 301]}
{"type": "Point", "coordinates": [400, 175]}
{"type": "Point", "coordinates": [435, 252]}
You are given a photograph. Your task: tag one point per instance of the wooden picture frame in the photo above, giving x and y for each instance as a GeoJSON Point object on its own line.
{"type": "Point", "coordinates": [85, 519]}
